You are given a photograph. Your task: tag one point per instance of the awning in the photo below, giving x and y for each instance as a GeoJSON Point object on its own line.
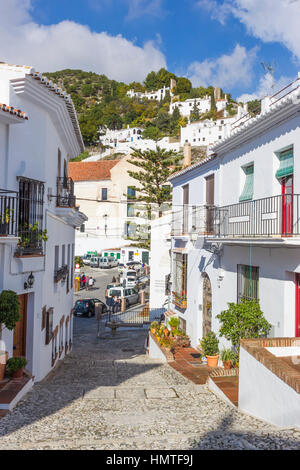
{"type": "Point", "coordinates": [247, 193]}
{"type": "Point", "coordinates": [286, 167]}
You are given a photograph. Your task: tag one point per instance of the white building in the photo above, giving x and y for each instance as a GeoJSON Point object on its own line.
{"type": "Point", "coordinates": [113, 138]}
{"type": "Point", "coordinates": [160, 265]}
{"type": "Point", "coordinates": [150, 95]}
{"type": "Point", "coordinates": [186, 107]}
{"type": "Point", "coordinates": [37, 195]}
{"type": "Point", "coordinates": [236, 228]}
{"type": "Point", "coordinates": [104, 191]}
{"type": "Point", "coordinates": [209, 132]}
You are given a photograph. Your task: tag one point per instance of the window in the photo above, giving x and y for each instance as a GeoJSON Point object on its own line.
{"type": "Point", "coordinates": [56, 258]}
{"type": "Point", "coordinates": [131, 192]}
{"type": "Point", "coordinates": [44, 317]}
{"type": "Point", "coordinates": [104, 194]}
{"type": "Point", "coordinates": [247, 282]}
{"type": "Point", "coordinates": [82, 228]}
{"type": "Point", "coordinates": [180, 279]}
{"type": "Point", "coordinates": [286, 167]}
{"type": "Point", "coordinates": [49, 325]}
{"type": "Point", "coordinates": [130, 210]}
{"type": "Point", "coordinates": [247, 193]}
{"type": "Point", "coordinates": [31, 200]}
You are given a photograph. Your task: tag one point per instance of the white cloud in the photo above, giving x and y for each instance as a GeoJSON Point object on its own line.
{"type": "Point", "coordinates": [268, 20]}
{"type": "Point", "coordinates": [71, 45]}
{"type": "Point", "coordinates": [225, 71]}
{"type": "Point", "coordinates": [265, 87]}
{"type": "Point", "coordinates": [138, 8]}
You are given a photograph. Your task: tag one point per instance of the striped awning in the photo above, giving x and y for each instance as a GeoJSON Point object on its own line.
{"type": "Point", "coordinates": [286, 167]}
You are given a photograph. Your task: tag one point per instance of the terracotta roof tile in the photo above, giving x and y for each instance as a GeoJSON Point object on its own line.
{"type": "Point", "coordinates": [91, 171]}
{"type": "Point", "coordinates": [16, 112]}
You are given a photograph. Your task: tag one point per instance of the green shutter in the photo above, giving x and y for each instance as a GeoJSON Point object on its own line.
{"type": "Point", "coordinates": [286, 167]}
{"type": "Point", "coordinates": [247, 193]}
{"type": "Point", "coordinates": [105, 254]}
{"type": "Point", "coordinates": [118, 255]}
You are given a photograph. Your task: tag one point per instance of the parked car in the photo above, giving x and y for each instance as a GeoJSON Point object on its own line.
{"type": "Point", "coordinates": [129, 281]}
{"type": "Point", "coordinates": [94, 262]}
{"type": "Point", "coordinates": [134, 265]}
{"type": "Point", "coordinates": [131, 295]}
{"type": "Point", "coordinates": [86, 307]}
{"type": "Point", "coordinates": [121, 266]}
{"type": "Point", "coordinates": [107, 262]}
{"type": "Point", "coordinates": [86, 259]}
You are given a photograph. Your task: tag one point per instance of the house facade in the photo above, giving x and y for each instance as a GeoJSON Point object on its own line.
{"type": "Point", "coordinates": [38, 214]}
{"type": "Point", "coordinates": [105, 193]}
{"type": "Point", "coordinates": [235, 230]}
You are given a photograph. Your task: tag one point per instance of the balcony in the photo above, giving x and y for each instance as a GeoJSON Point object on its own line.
{"type": "Point", "coordinates": [61, 274]}
{"type": "Point", "coordinates": [193, 220]}
{"type": "Point", "coordinates": [8, 213]}
{"type": "Point", "coordinates": [65, 193]}
{"type": "Point", "coordinates": [274, 217]}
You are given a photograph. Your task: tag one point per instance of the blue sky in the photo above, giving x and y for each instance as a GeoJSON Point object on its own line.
{"type": "Point", "coordinates": [217, 42]}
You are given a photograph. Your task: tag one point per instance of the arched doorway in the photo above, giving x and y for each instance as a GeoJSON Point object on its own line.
{"type": "Point", "coordinates": [206, 312]}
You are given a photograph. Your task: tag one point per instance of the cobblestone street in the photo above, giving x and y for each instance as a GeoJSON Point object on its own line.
{"type": "Point", "coordinates": [108, 394]}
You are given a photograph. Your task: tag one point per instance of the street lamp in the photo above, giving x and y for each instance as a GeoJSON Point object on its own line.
{"type": "Point", "coordinates": [105, 224]}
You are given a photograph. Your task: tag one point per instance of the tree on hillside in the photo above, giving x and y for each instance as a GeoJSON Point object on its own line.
{"type": "Point", "coordinates": [195, 114]}
{"type": "Point", "coordinates": [155, 168]}
{"type": "Point", "coordinates": [183, 85]}
{"type": "Point", "coordinates": [153, 133]}
{"type": "Point", "coordinates": [151, 81]}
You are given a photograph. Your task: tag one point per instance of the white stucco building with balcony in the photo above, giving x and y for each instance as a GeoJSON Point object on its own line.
{"type": "Point", "coordinates": [236, 225]}
{"type": "Point", "coordinates": [38, 214]}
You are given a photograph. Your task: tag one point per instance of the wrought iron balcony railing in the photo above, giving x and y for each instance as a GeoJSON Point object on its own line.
{"type": "Point", "coordinates": [268, 217]}
{"type": "Point", "coordinates": [8, 213]}
{"type": "Point", "coordinates": [274, 216]}
{"type": "Point", "coordinates": [65, 192]}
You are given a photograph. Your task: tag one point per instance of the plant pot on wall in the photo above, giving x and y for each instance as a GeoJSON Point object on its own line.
{"type": "Point", "coordinates": [17, 374]}
{"type": "Point", "coordinates": [3, 361]}
{"type": "Point", "coordinates": [227, 365]}
{"type": "Point", "coordinates": [212, 361]}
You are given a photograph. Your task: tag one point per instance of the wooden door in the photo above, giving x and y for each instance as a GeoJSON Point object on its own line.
{"type": "Point", "coordinates": [297, 312]}
{"type": "Point", "coordinates": [207, 312]}
{"type": "Point", "coordinates": [185, 220]}
{"type": "Point", "coordinates": [19, 348]}
{"type": "Point", "coordinates": [287, 206]}
{"type": "Point", "coordinates": [210, 201]}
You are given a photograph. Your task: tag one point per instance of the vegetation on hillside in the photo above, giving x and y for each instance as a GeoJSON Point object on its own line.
{"type": "Point", "coordinates": [101, 102]}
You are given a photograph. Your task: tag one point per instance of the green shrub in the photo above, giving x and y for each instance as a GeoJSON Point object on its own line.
{"type": "Point", "coordinates": [210, 344]}
{"type": "Point", "coordinates": [15, 363]}
{"type": "Point", "coordinates": [244, 320]}
{"type": "Point", "coordinates": [9, 309]}
{"type": "Point", "coordinates": [174, 321]}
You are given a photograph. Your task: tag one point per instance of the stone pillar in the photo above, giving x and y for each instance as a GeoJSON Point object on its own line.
{"type": "Point", "coordinates": [123, 304]}
{"type": "Point", "coordinates": [142, 297]}
{"type": "Point", "coordinates": [187, 154]}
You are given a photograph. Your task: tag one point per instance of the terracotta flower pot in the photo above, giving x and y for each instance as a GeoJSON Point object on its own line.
{"type": "Point", "coordinates": [153, 331]}
{"type": "Point", "coordinates": [212, 361]}
{"type": "Point", "coordinates": [17, 374]}
{"type": "Point", "coordinates": [3, 361]}
{"type": "Point", "coordinates": [227, 364]}
{"type": "Point", "coordinates": [166, 332]}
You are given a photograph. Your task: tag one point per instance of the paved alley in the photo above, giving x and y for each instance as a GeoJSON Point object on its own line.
{"type": "Point", "coordinates": [108, 394]}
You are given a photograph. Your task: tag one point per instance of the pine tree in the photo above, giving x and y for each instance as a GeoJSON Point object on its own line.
{"type": "Point", "coordinates": [195, 115]}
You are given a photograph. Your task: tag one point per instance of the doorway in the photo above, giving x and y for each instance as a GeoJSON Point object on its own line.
{"type": "Point", "coordinates": [207, 301]}
{"type": "Point", "coordinates": [287, 206]}
{"type": "Point", "coordinates": [19, 340]}
{"type": "Point", "coordinates": [210, 202]}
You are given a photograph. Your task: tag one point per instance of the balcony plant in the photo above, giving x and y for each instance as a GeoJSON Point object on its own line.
{"type": "Point", "coordinates": [15, 366]}
{"type": "Point", "coordinates": [153, 327]}
{"type": "Point", "coordinates": [210, 348]}
{"type": "Point", "coordinates": [4, 221]}
{"type": "Point", "coordinates": [228, 357]}
{"type": "Point", "coordinates": [9, 316]}
{"type": "Point", "coordinates": [31, 237]}
{"type": "Point", "coordinates": [174, 323]}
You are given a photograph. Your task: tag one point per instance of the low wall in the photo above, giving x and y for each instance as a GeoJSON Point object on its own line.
{"type": "Point", "coordinates": [156, 352]}
{"type": "Point", "coordinates": [268, 386]}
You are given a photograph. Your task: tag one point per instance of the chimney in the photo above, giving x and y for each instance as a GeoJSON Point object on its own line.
{"type": "Point", "coordinates": [187, 154]}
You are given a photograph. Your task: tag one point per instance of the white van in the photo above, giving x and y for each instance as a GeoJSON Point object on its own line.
{"type": "Point", "coordinates": [107, 262]}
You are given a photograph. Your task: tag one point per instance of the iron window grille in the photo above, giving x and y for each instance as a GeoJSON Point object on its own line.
{"type": "Point", "coordinates": [247, 282]}
{"type": "Point", "coordinates": [30, 216]}
{"type": "Point", "coordinates": [65, 192]}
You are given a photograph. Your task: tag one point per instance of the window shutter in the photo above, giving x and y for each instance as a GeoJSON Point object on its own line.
{"type": "Point", "coordinates": [286, 167]}
{"type": "Point", "coordinates": [247, 193]}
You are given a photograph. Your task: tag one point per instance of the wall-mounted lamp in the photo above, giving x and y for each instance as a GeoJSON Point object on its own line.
{"type": "Point", "coordinates": [30, 282]}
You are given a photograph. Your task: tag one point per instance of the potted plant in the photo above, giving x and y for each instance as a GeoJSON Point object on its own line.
{"type": "Point", "coordinates": [9, 316]}
{"type": "Point", "coordinates": [210, 347]}
{"type": "Point", "coordinates": [15, 366]}
{"type": "Point", "coordinates": [153, 327]}
{"type": "Point", "coordinates": [227, 357]}
{"type": "Point", "coordinates": [174, 323]}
